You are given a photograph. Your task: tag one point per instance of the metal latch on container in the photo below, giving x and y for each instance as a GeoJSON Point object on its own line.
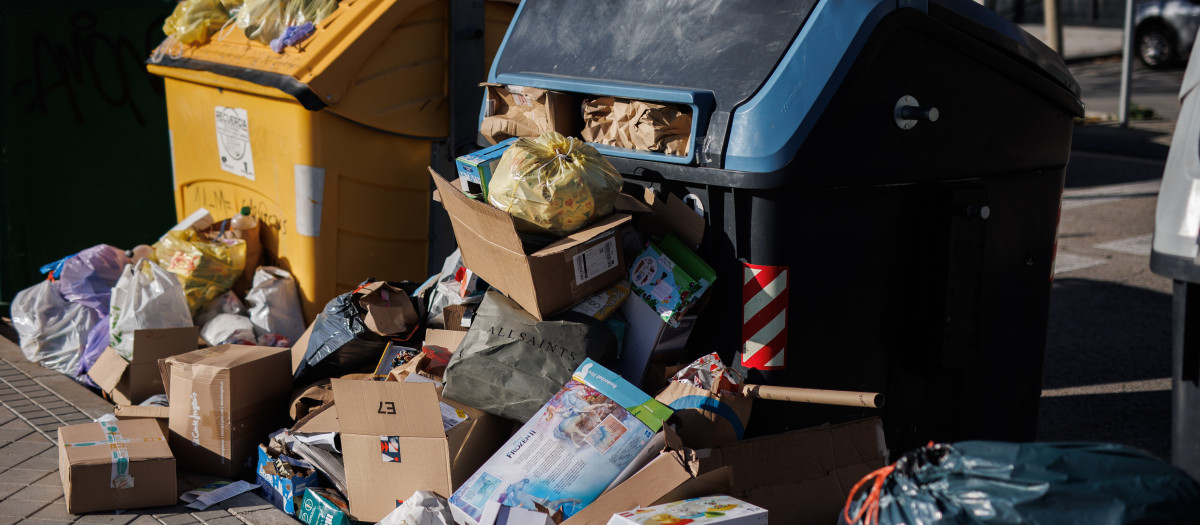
{"type": "Point", "coordinates": [908, 112]}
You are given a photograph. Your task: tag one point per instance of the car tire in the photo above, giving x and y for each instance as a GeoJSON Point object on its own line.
{"type": "Point", "coordinates": [1157, 47]}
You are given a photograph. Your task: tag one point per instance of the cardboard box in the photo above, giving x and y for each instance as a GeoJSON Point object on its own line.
{"type": "Point", "coordinates": [568, 453]}
{"type": "Point", "coordinates": [517, 111]}
{"type": "Point", "coordinates": [115, 465]}
{"type": "Point", "coordinates": [647, 334]}
{"type": "Point", "coordinates": [224, 401]}
{"type": "Point", "coordinates": [156, 413]}
{"type": "Point", "coordinates": [546, 281]}
{"type": "Point", "coordinates": [299, 348]}
{"type": "Point", "coordinates": [475, 169]}
{"type": "Point", "coordinates": [802, 476]}
{"type": "Point", "coordinates": [323, 507]}
{"type": "Point", "coordinates": [716, 509]}
{"type": "Point", "coordinates": [670, 278]}
{"type": "Point", "coordinates": [393, 444]}
{"type": "Point", "coordinates": [131, 382]}
{"type": "Point", "coordinates": [282, 491]}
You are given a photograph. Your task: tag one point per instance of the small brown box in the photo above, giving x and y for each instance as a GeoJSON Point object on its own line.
{"type": "Point", "coordinates": [94, 480]}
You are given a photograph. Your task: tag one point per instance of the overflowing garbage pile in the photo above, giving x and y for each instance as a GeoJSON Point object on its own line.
{"type": "Point", "coordinates": [538, 377]}
{"type": "Point", "coordinates": [274, 23]}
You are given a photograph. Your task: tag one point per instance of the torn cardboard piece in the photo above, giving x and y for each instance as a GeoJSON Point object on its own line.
{"type": "Point", "coordinates": [223, 401]}
{"type": "Point", "coordinates": [546, 281]}
{"type": "Point", "coordinates": [130, 382]}
{"type": "Point", "coordinates": [637, 124]}
{"type": "Point", "coordinates": [159, 414]}
{"type": "Point", "coordinates": [115, 465]}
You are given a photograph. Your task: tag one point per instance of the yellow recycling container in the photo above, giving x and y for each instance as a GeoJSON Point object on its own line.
{"type": "Point", "coordinates": [327, 143]}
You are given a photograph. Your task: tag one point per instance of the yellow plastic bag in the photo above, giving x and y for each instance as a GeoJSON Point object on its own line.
{"type": "Point", "coordinates": [194, 21]}
{"type": "Point", "coordinates": [554, 184]}
{"type": "Point", "coordinates": [206, 268]}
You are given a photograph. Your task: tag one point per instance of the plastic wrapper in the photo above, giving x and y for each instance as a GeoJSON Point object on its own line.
{"type": "Point", "coordinates": [554, 184]}
{"type": "Point", "coordinates": [422, 508]}
{"type": "Point", "coordinates": [709, 373]}
{"type": "Point", "coordinates": [52, 330]}
{"type": "Point", "coordinates": [146, 296]}
{"type": "Point", "coordinates": [354, 328]}
{"type": "Point", "coordinates": [452, 287]}
{"type": "Point", "coordinates": [228, 329]}
{"type": "Point", "coordinates": [269, 20]}
{"type": "Point", "coordinates": [194, 21]}
{"type": "Point", "coordinates": [226, 303]}
{"type": "Point", "coordinates": [275, 304]}
{"type": "Point", "coordinates": [97, 341]}
{"type": "Point", "coordinates": [205, 268]}
{"type": "Point", "coordinates": [88, 277]}
{"type": "Point", "coordinates": [974, 482]}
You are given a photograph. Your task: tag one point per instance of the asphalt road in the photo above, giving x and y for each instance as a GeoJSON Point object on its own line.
{"type": "Point", "coordinates": [1107, 369]}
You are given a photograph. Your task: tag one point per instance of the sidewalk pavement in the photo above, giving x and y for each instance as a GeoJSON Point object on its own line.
{"type": "Point", "coordinates": [1083, 43]}
{"type": "Point", "coordinates": [34, 402]}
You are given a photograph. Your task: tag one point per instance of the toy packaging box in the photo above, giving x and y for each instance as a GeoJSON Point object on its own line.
{"type": "Point", "coordinates": [721, 509]}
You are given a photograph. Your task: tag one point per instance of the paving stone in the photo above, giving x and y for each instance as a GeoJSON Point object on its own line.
{"type": "Point", "coordinates": [51, 453]}
{"type": "Point", "coordinates": [244, 503]}
{"type": "Point", "coordinates": [12, 460]}
{"type": "Point", "coordinates": [144, 519]}
{"type": "Point", "coordinates": [229, 520]}
{"type": "Point", "coordinates": [9, 520]}
{"type": "Point", "coordinates": [109, 518]}
{"type": "Point", "coordinates": [20, 508]}
{"type": "Point", "coordinates": [6, 489]}
{"type": "Point", "coordinates": [211, 514]}
{"type": "Point", "coordinates": [23, 476]}
{"type": "Point", "coordinates": [42, 493]}
{"type": "Point", "coordinates": [37, 438]}
{"type": "Point", "coordinates": [41, 419]}
{"type": "Point", "coordinates": [32, 521]}
{"type": "Point", "coordinates": [56, 510]}
{"type": "Point", "coordinates": [176, 519]}
{"type": "Point", "coordinates": [14, 430]}
{"type": "Point", "coordinates": [272, 516]}
{"type": "Point", "coordinates": [51, 479]}
{"type": "Point", "coordinates": [28, 448]}
{"type": "Point", "coordinates": [40, 462]}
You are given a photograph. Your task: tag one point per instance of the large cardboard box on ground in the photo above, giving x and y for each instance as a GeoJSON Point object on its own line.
{"type": "Point", "coordinates": [131, 382]}
{"type": "Point", "coordinates": [800, 477]}
{"type": "Point", "coordinates": [224, 401]}
{"type": "Point", "coordinates": [546, 281]}
{"type": "Point", "coordinates": [115, 465]}
{"type": "Point", "coordinates": [393, 444]}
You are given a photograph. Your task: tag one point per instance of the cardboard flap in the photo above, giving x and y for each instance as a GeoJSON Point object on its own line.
{"type": "Point", "coordinates": [584, 235]}
{"type": "Point", "coordinates": [388, 408]}
{"type": "Point", "coordinates": [138, 412]}
{"type": "Point", "coordinates": [488, 222]}
{"type": "Point", "coordinates": [676, 217]}
{"type": "Point", "coordinates": [154, 344]}
{"type": "Point", "coordinates": [627, 203]}
{"type": "Point", "coordinates": [448, 339]}
{"type": "Point", "coordinates": [321, 420]}
{"type": "Point", "coordinates": [223, 357]}
{"type": "Point", "coordinates": [108, 369]}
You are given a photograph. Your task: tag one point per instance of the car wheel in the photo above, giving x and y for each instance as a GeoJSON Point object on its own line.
{"type": "Point", "coordinates": [1156, 47]}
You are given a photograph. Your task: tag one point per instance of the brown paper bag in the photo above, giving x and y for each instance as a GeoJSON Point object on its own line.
{"type": "Point", "coordinates": [515, 111]}
{"type": "Point", "coordinates": [635, 124]}
{"type": "Point", "coordinates": [706, 419]}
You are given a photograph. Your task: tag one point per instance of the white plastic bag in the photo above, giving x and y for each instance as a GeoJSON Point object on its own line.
{"type": "Point", "coordinates": [423, 508]}
{"type": "Point", "coordinates": [53, 332]}
{"type": "Point", "coordinates": [275, 303]}
{"type": "Point", "coordinates": [228, 329]}
{"type": "Point", "coordinates": [146, 296]}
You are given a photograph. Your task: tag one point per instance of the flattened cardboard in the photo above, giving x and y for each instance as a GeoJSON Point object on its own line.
{"type": "Point", "coordinates": [448, 339]}
{"type": "Point", "coordinates": [87, 471]}
{"type": "Point", "coordinates": [160, 415]}
{"type": "Point", "coordinates": [546, 281]}
{"type": "Point", "coordinates": [131, 382]}
{"type": "Point", "coordinates": [369, 411]}
{"type": "Point", "coordinates": [223, 401]}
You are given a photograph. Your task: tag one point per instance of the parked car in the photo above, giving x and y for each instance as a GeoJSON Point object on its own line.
{"type": "Point", "coordinates": [1164, 30]}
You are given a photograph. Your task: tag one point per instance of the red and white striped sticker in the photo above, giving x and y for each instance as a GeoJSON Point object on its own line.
{"type": "Point", "coordinates": [764, 316]}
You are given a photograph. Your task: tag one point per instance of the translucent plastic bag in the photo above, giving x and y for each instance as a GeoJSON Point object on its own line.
{"type": "Point", "coordinates": [146, 296]}
{"type": "Point", "coordinates": [554, 184]}
{"type": "Point", "coordinates": [194, 21]}
{"type": "Point", "coordinates": [275, 304]}
{"type": "Point", "coordinates": [262, 20]}
{"type": "Point", "coordinates": [88, 277]}
{"type": "Point", "coordinates": [205, 268]}
{"type": "Point", "coordinates": [97, 341]}
{"type": "Point", "coordinates": [53, 331]}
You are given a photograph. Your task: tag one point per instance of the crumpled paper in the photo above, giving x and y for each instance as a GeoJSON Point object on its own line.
{"type": "Point", "coordinates": [635, 124]}
{"type": "Point", "coordinates": [422, 508]}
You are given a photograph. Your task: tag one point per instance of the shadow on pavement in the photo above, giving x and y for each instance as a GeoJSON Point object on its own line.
{"type": "Point", "coordinates": [1102, 333]}
{"type": "Point", "coordinates": [1104, 154]}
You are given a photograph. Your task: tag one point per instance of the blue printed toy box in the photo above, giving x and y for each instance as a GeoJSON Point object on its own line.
{"type": "Point", "coordinates": [283, 492]}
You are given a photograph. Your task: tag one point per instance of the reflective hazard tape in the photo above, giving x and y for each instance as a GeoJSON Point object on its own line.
{"type": "Point", "coordinates": [764, 316]}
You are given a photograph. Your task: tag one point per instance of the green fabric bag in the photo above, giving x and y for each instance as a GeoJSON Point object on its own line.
{"type": "Point", "coordinates": [509, 364]}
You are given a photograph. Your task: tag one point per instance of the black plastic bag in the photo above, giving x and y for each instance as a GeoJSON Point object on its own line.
{"type": "Point", "coordinates": [991, 482]}
{"type": "Point", "coordinates": [350, 334]}
{"type": "Point", "coordinates": [510, 363]}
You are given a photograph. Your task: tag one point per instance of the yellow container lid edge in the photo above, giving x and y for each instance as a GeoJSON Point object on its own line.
{"type": "Point", "coordinates": [238, 78]}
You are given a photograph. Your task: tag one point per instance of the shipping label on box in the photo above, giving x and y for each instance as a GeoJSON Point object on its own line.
{"type": "Point", "coordinates": [570, 451]}
{"type": "Point", "coordinates": [721, 509]}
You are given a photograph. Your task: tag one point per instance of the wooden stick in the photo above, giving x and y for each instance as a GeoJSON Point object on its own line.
{"type": "Point", "coordinates": [813, 395]}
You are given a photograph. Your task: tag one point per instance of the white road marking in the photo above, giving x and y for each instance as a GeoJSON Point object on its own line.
{"type": "Point", "coordinates": [1139, 245]}
{"type": "Point", "coordinates": [1069, 262]}
{"type": "Point", "coordinates": [1145, 385]}
{"type": "Point", "coordinates": [1075, 198]}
